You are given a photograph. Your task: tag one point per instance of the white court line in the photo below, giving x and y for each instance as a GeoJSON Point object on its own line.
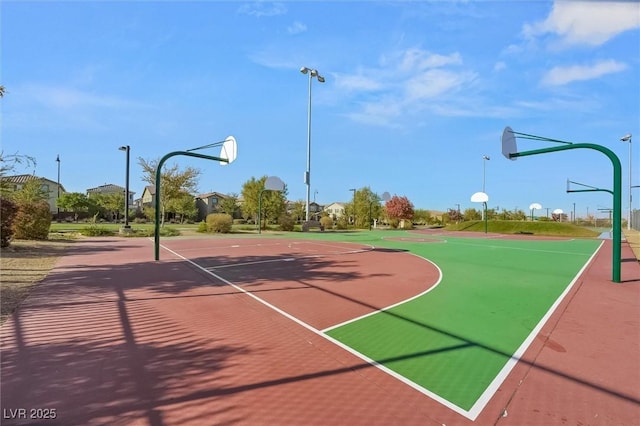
{"type": "Point", "coordinates": [214, 247]}
{"type": "Point", "coordinates": [386, 308]}
{"type": "Point", "coordinates": [257, 262]}
{"type": "Point", "coordinates": [349, 349]}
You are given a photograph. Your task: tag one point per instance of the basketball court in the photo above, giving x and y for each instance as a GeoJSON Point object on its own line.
{"type": "Point", "coordinates": [353, 328]}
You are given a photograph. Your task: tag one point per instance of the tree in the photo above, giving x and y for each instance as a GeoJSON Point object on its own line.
{"type": "Point", "coordinates": [299, 210]}
{"type": "Point", "coordinates": [455, 216]}
{"type": "Point", "coordinates": [110, 204]}
{"type": "Point", "coordinates": [31, 192]}
{"type": "Point", "coordinates": [2, 90]}
{"type": "Point", "coordinates": [173, 182]}
{"type": "Point", "coordinates": [75, 202]}
{"type": "Point", "coordinates": [250, 193]}
{"type": "Point", "coordinates": [472, 214]}
{"type": "Point", "coordinates": [183, 206]}
{"type": "Point", "coordinates": [399, 208]}
{"type": "Point", "coordinates": [422, 216]}
{"type": "Point", "coordinates": [229, 204]}
{"type": "Point", "coordinates": [273, 202]}
{"type": "Point", "coordinates": [365, 207]}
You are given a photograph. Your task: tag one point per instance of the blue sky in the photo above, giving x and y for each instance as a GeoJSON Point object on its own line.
{"type": "Point", "coordinates": [416, 93]}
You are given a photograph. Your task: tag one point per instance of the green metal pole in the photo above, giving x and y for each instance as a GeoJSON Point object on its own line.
{"type": "Point", "coordinates": [157, 198]}
{"type": "Point", "coordinates": [617, 194]}
{"type": "Point", "coordinates": [259, 210]}
{"type": "Point", "coordinates": [485, 216]}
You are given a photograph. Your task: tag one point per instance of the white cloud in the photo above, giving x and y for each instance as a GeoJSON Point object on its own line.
{"type": "Point", "coordinates": [499, 66]}
{"type": "Point", "coordinates": [356, 82]}
{"type": "Point", "coordinates": [586, 22]}
{"type": "Point", "coordinates": [405, 83]}
{"type": "Point", "coordinates": [558, 76]}
{"type": "Point", "coordinates": [69, 98]}
{"type": "Point", "coordinates": [260, 9]}
{"type": "Point", "coordinates": [417, 59]}
{"type": "Point", "coordinates": [433, 83]}
{"type": "Point", "coordinates": [296, 28]}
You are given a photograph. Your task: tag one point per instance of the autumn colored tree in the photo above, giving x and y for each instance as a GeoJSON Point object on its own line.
{"type": "Point", "coordinates": [399, 208]}
{"type": "Point", "coordinates": [455, 216]}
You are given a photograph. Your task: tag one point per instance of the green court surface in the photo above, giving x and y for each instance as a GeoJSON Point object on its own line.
{"type": "Point", "coordinates": [458, 340]}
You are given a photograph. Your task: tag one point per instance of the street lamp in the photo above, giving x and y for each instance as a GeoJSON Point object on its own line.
{"type": "Point", "coordinates": [484, 178]}
{"type": "Point", "coordinates": [354, 205]}
{"type": "Point", "coordinates": [627, 138]}
{"type": "Point", "coordinates": [126, 190]}
{"type": "Point", "coordinates": [58, 161]}
{"type": "Point", "coordinates": [484, 170]}
{"type": "Point", "coordinates": [307, 176]}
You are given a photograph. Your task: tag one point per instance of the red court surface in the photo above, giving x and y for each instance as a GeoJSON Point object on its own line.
{"type": "Point", "coordinates": [112, 337]}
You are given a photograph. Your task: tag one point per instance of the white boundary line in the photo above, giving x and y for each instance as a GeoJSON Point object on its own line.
{"type": "Point", "coordinates": [386, 308]}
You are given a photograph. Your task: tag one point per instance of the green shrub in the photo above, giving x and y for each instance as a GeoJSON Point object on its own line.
{"type": "Point", "coordinates": [342, 222]}
{"type": "Point", "coordinates": [8, 211]}
{"type": "Point", "coordinates": [165, 231]}
{"type": "Point", "coordinates": [32, 221]}
{"type": "Point", "coordinates": [219, 222]}
{"type": "Point", "coordinates": [239, 221]}
{"type": "Point", "coordinates": [326, 222]}
{"type": "Point", "coordinates": [96, 231]}
{"type": "Point", "coordinates": [202, 227]}
{"type": "Point", "coordinates": [286, 222]}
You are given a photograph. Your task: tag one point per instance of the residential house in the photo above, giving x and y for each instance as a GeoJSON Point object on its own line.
{"type": "Point", "coordinates": [208, 203]}
{"type": "Point", "coordinates": [110, 189]}
{"type": "Point", "coordinates": [16, 183]}
{"type": "Point", "coordinates": [335, 210]}
{"type": "Point", "coordinates": [148, 196]}
{"type": "Point", "coordinates": [315, 210]}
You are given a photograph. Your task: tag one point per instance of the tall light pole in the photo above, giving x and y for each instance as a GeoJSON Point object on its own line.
{"type": "Point", "coordinates": [354, 204]}
{"type": "Point", "coordinates": [58, 161]}
{"type": "Point", "coordinates": [126, 189]}
{"type": "Point", "coordinates": [627, 138]}
{"type": "Point", "coordinates": [484, 170]}
{"type": "Point", "coordinates": [307, 175]}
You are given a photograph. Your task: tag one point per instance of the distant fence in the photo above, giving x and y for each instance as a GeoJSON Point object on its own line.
{"type": "Point", "coordinates": [635, 219]}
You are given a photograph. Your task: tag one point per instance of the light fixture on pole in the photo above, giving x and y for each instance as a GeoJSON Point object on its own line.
{"type": "Point", "coordinates": [126, 190]}
{"type": "Point", "coordinates": [484, 170]}
{"type": "Point", "coordinates": [58, 161]}
{"type": "Point", "coordinates": [354, 204]}
{"type": "Point", "coordinates": [307, 175]}
{"type": "Point", "coordinates": [484, 178]}
{"type": "Point", "coordinates": [627, 138]}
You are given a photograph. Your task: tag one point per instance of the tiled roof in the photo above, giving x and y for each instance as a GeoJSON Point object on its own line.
{"type": "Point", "coordinates": [22, 179]}
{"type": "Point", "coordinates": [107, 188]}
{"type": "Point", "coordinates": [211, 194]}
